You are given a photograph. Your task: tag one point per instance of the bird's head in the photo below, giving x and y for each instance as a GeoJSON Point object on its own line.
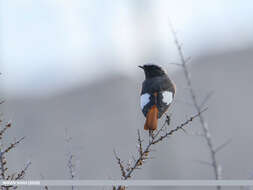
{"type": "Point", "coordinates": [152, 70]}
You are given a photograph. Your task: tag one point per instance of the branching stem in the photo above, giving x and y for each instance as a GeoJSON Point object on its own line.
{"type": "Point", "coordinates": [207, 136]}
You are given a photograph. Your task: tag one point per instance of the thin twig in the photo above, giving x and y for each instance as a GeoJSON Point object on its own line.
{"type": "Point", "coordinates": [122, 169]}
{"type": "Point", "coordinates": [2, 165]}
{"type": "Point", "coordinates": [208, 96]}
{"type": "Point", "coordinates": [223, 145]}
{"type": "Point", "coordinates": [70, 163]}
{"type": "Point", "coordinates": [176, 64]}
{"type": "Point", "coordinates": [144, 153]}
{"type": "Point", "coordinates": [23, 171]}
{"type": "Point", "coordinates": [3, 161]}
{"type": "Point", "coordinates": [140, 143]}
{"type": "Point", "coordinates": [13, 145]}
{"type": "Point", "coordinates": [180, 127]}
{"type": "Point", "coordinates": [204, 163]}
{"type": "Point", "coordinates": [207, 135]}
{"type": "Point", "coordinates": [21, 174]}
{"type": "Point", "coordinates": [71, 166]}
{"type": "Point", "coordinates": [8, 125]}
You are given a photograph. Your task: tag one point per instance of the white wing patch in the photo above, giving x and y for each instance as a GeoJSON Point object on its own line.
{"type": "Point", "coordinates": [144, 99]}
{"type": "Point", "coordinates": [167, 97]}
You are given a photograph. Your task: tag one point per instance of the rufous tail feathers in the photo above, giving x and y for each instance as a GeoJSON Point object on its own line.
{"type": "Point", "coordinates": [151, 119]}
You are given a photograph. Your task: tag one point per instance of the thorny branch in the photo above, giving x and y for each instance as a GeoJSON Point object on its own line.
{"type": "Point", "coordinates": [126, 172]}
{"type": "Point", "coordinates": [13, 145]}
{"type": "Point", "coordinates": [122, 169]}
{"type": "Point", "coordinates": [2, 165]}
{"type": "Point", "coordinates": [21, 174]}
{"type": "Point", "coordinates": [71, 163]}
{"type": "Point", "coordinates": [3, 161]}
{"type": "Point", "coordinates": [23, 171]}
{"type": "Point", "coordinates": [71, 166]}
{"type": "Point", "coordinates": [8, 125]}
{"type": "Point", "coordinates": [207, 136]}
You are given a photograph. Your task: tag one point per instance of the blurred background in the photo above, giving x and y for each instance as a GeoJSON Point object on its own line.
{"type": "Point", "coordinates": [72, 66]}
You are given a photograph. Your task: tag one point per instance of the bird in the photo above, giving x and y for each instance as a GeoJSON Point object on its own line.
{"type": "Point", "coordinates": [157, 94]}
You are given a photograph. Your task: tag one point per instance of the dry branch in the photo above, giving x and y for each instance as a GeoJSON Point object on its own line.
{"type": "Point", "coordinates": [3, 161]}
{"type": "Point", "coordinates": [2, 165]}
{"type": "Point", "coordinates": [8, 125]}
{"type": "Point", "coordinates": [13, 145]}
{"type": "Point", "coordinates": [207, 135]}
{"type": "Point", "coordinates": [71, 166]}
{"type": "Point", "coordinates": [71, 162]}
{"type": "Point", "coordinates": [143, 154]}
{"type": "Point", "coordinates": [122, 168]}
{"type": "Point", "coordinates": [21, 174]}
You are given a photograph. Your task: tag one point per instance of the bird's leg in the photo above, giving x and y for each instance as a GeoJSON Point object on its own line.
{"type": "Point", "coordinates": [151, 135]}
{"type": "Point", "coordinates": [149, 132]}
{"type": "Point", "coordinates": [167, 119]}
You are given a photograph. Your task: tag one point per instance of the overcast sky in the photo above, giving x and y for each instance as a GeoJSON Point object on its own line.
{"type": "Point", "coordinates": [48, 45]}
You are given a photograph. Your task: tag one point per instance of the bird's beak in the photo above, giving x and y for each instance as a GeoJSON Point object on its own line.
{"type": "Point", "coordinates": [141, 67]}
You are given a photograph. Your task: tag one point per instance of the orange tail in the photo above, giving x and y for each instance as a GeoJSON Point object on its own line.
{"type": "Point", "coordinates": [151, 119]}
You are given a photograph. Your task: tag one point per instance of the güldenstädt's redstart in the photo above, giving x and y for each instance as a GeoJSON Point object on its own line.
{"type": "Point", "coordinates": [157, 94]}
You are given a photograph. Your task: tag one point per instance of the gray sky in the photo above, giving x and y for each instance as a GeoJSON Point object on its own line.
{"type": "Point", "coordinates": [49, 45]}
